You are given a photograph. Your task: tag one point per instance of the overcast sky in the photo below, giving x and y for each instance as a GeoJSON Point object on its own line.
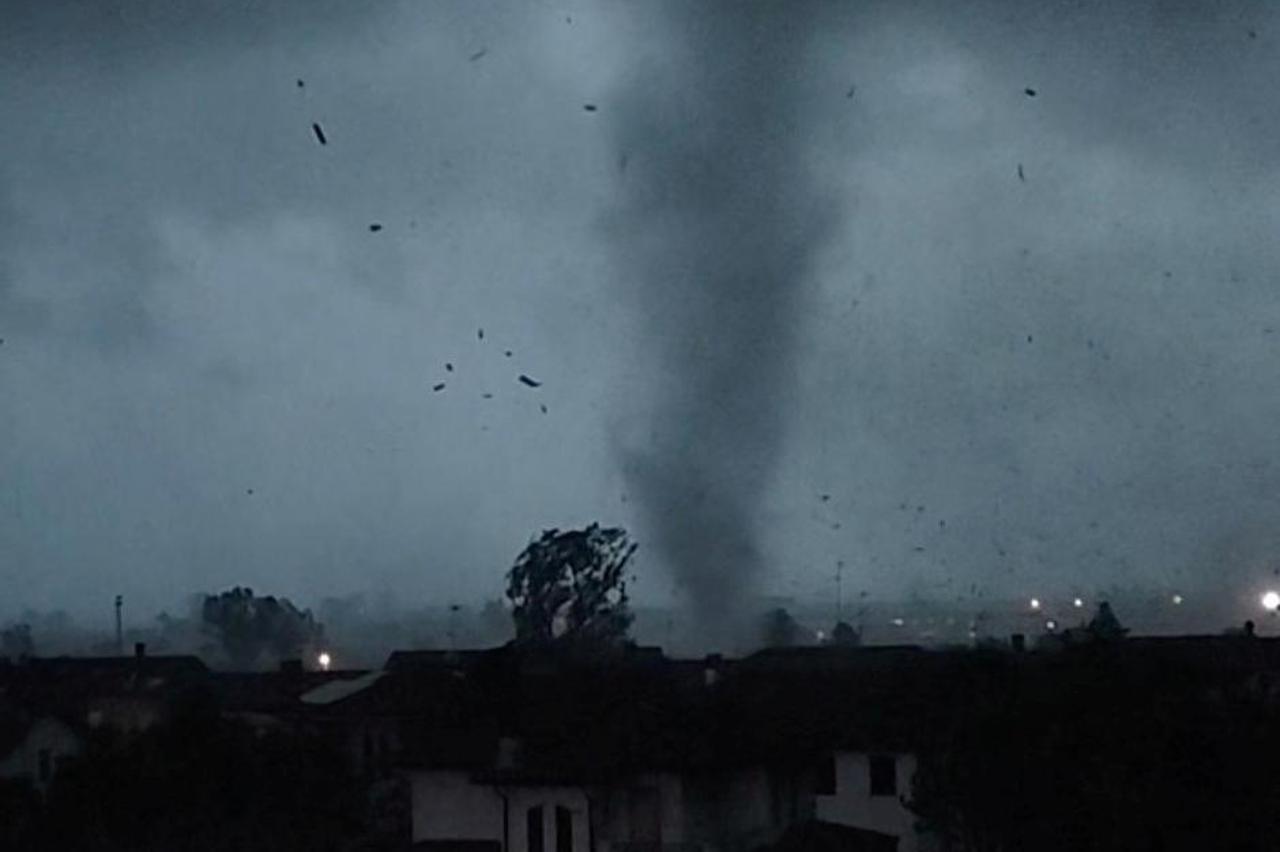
{"type": "Point", "coordinates": [1028, 342]}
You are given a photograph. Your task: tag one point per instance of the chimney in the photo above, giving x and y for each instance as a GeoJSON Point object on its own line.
{"type": "Point", "coordinates": [1019, 643]}
{"type": "Point", "coordinates": [508, 753]}
{"type": "Point", "coordinates": [711, 670]}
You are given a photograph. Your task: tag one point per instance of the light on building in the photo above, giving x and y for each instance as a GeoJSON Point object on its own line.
{"type": "Point", "coordinates": [1271, 601]}
{"type": "Point", "coordinates": [1177, 599]}
{"type": "Point", "coordinates": [898, 622]}
{"type": "Point", "coordinates": [820, 635]}
{"type": "Point", "coordinates": [324, 660]}
{"type": "Point", "coordinates": [1035, 603]}
{"type": "Point", "coordinates": [1051, 625]}
{"type": "Point", "coordinates": [1077, 603]}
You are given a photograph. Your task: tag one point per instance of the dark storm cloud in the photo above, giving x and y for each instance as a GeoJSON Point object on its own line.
{"type": "Point", "coordinates": [1064, 381]}
{"type": "Point", "coordinates": [720, 223]}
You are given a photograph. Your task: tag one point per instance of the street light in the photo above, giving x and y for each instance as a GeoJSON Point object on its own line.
{"type": "Point", "coordinates": [1271, 601]}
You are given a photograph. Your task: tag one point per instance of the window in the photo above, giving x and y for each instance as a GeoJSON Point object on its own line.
{"type": "Point", "coordinates": [884, 775]}
{"type": "Point", "coordinates": [45, 770]}
{"type": "Point", "coordinates": [533, 828]}
{"type": "Point", "coordinates": [564, 829]}
{"type": "Point", "coordinates": [824, 783]}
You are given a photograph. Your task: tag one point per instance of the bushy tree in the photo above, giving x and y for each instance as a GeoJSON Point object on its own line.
{"type": "Point", "coordinates": [247, 626]}
{"type": "Point", "coordinates": [780, 629]}
{"type": "Point", "coordinates": [16, 642]}
{"type": "Point", "coordinates": [845, 635]}
{"type": "Point", "coordinates": [570, 587]}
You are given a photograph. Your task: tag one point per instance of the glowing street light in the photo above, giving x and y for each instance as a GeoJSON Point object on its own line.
{"type": "Point", "coordinates": [1051, 625]}
{"type": "Point", "coordinates": [1177, 600]}
{"type": "Point", "coordinates": [1271, 601]}
{"type": "Point", "coordinates": [324, 660]}
{"type": "Point", "coordinates": [1077, 603]}
{"type": "Point", "coordinates": [1035, 603]}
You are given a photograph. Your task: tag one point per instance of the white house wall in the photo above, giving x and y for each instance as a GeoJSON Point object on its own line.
{"type": "Point", "coordinates": [447, 806]}
{"type": "Point", "coordinates": [853, 804]}
{"type": "Point", "coordinates": [44, 735]}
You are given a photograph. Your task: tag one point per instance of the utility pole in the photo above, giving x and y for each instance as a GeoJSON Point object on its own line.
{"type": "Point", "coordinates": [119, 627]}
{"type": "Point", "coordinates": [839, 590]}
{"type": "Point", "coordinates": [453, 639]}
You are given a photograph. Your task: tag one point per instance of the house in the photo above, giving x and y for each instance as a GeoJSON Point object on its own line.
{"type": "Point", "coordinates": [33, 748]}
{"type": "Point", "coordinates": [633, 754]}
{"type": "Point", "coordinates": [870, 792]}
{"type": "Point", "coordinates": [125, 694]}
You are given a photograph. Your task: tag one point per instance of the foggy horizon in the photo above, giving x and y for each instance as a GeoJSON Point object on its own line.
{"type": "Point", "coordinates": [1015, 331]}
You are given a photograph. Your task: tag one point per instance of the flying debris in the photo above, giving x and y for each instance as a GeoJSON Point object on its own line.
{"type": "Point", "coordinates": [479, 54]}
{"type": "Point", "coordinates": [826, 497]}
{"type": "Point", "coordinates": [1021, 175]}
{"type": "Point", "coordinates": [487, 395]}
{"type": "Point", "coordinates": [249, 491]}
{"type": "Point", "coordinates": [1031, 93]}
{"type": "Point", "coordinates": [438, 387]}
{"type": "Point", "coordinates": [480, 333]}
{"type": "Point", "coordinates": [319, 132]}
{"type": "Point", "coordinates": [544, 408]}
{"type": "Point", "coordinates": [507, 353]}
{"type": "Point", "coordinates": [589, 107]}
{"type": "Point", "coordinates": [533, 383]}
{"type": "Point", "coordinates": [448, 367]}
{"type": "Point", "coordinates": [300, 83]}
{"type": "Point", "coordinates": [849, 94]}
{"type": "Point", "coordinates": [375, 227]}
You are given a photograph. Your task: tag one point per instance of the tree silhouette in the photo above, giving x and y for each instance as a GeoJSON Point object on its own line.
{"type": "Point", "coordinates": [248, 626]}
{"type": "Point", "coordinates": [780, 629]}
{"type": "Point", "coordinates": [16, 643]}
{"type": "Point", "coordinates": [569, 587]}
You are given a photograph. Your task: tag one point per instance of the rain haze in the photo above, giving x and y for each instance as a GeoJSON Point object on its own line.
{"type": "Point", "coordinates": [977, 299]}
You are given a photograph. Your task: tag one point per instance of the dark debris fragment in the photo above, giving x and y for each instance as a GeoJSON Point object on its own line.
{"type": "Point", "coordinates": [438, 387]}
{"type": "Point", "coordinates": [300, 83]}
{"type": "Point", "coordinates": [507, 353]}
{"type": "Point", "coordinates": [544, 408]}
{"type": "Point", "coordinates": [589, 107]}
{"type": "Point", "coordinates": [487, 395]}
{"type": "Point", "coordinates": [375, 227]}
{"type": "Point", "coordinates": [1031, 93]}
{"type": "Point", "coordinates": [479, 54]}
{"type": "Point", "coordinates": [533, 383]}
{"type": "Point", "coordinates": [448, 366]}
{"type": "Point", "coordinates": [1021, 175]}
{"type": "Point", "coordinates": [319, 132]}
{"type": "Point", "coordinates": [480, 333]}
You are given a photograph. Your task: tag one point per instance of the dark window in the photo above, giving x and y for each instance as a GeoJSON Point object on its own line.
{"type": "Point", "coordinates": [533, 827]}
{"type": "Point", "coordinates": [825, 781]}
{"type": "Point", "coordinates": [564, 830]}
{"type": "Point", "coordinates": [46, 764]}
{"type": "Point", "coordinates": [884, 775]}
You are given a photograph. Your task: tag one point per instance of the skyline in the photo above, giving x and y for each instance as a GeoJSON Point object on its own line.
{"type": "Point", "coordinates": [1034, 347]}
